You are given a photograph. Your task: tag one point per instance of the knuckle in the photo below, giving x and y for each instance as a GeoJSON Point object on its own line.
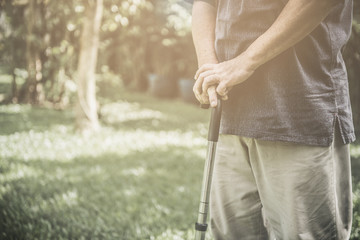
{"type": "Point", "coordinates": [220, 91]}
{"type": "Point", "coordinates": [212, 94]}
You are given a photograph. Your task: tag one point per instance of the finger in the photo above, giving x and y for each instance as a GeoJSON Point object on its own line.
{"type": "Point", "coordinates": [197, 94]}
{"type": "Point", "coordinates": [196, 89]}
{"type": "Point", "coordinates": [204, 98]}
{"type": "Point", "coordinates": [225, 93]}
{"type": "Point", "coordinates": [203, 68]}
{"type": "Point", "coordinates": [212, 96]}
{"type": "Point", "coordinates": [210, 80]}
{"type": "Point", "coordinates": [222, 89]}
{"type": "Point", "coordinates": [198, 84]}
{"type": "Point", "coordinates": [224, 98]}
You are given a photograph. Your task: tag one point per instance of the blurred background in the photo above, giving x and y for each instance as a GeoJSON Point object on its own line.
{"type": "Point", "coordinates": [100, 134]}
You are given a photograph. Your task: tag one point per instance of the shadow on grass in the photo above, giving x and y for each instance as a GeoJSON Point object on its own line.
{"type": "Point", "coordinates": [18, 118]}
{"type": "Point", "coordinates": [137, 196]}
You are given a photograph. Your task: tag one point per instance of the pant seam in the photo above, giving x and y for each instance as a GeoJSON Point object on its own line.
{"type": "Point", "coordinates": [333, 183]}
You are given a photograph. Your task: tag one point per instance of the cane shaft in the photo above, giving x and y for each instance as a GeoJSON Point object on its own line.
{"type": "Point", "coordinates": [201, 224]}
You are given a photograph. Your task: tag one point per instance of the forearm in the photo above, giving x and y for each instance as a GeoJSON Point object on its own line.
{"type": "Point", "coordinates": [203, 31]}
{"type": "Point", "coordinates": [295, 22]}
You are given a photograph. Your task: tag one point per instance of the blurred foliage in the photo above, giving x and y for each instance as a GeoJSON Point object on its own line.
{"type": "Point", "coordinates": [138, 37]}
{"type": "Point", "coordinates": [352, 59]}
{"type": "Point", "coordinates": [355, 233]}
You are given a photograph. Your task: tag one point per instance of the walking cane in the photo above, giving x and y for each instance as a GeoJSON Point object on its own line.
{"type": "Point", "coordinates": [201, 225]}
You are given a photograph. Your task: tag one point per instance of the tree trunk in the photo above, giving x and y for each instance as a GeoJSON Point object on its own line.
{"type": "Point", "coordinates": [32, 91]}
{"type": "Point", "coordinates": [86, 110]}
{"type": "Point", "coordinates": [14, 91]}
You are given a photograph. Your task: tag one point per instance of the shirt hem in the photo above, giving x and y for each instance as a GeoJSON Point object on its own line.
{"type": "Point", "coordinates": [306, 140]}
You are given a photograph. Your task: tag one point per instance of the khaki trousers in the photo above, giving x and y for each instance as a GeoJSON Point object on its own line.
{"type": "Point", "coordinates": [283, 191]}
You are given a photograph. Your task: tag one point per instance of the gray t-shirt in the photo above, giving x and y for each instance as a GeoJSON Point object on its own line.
{"type": "Point", "coordinates": [300, 95]}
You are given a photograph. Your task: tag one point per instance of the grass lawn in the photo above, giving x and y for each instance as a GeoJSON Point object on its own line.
{"type": "Point", "coordinates": [138, 178]}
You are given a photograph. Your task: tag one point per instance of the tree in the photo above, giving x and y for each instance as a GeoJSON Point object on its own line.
{"type": "Point", "coordinates": [37, 50]}
{"type": "Point", "coordinates": [12, 45]}
{"type": "Point", "coordinates": [33, 89]}
{"type": "Point", "coordinates": [86, 110]}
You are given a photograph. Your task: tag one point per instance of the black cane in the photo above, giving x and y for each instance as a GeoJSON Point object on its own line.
{"type": "Point", "coordinates": [201, 224]}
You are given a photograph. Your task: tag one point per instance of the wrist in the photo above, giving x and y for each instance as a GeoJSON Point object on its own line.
{"type": "Point", "coordinates": [250, 60]}
{"type": "Point", "coordinates": [207, 60]}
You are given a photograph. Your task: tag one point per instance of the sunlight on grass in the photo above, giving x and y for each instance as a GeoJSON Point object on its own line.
{"type": "Point", "coordinates": [58, 146]}
{"type": "Point", "coordinates": [18, 171]}
{"type": "Point", "coordinates": [125, 111]}
{"type": "Point", "coordinates": [15, 108]}
{"type": "Point", "coordinates": [69, 198]}
{"type": "Point", "coordinates": [58, 143]}
{"type": "Point", "coordinates": [137, 177]}
{"type": "Point", "coordinates": [134, 171]}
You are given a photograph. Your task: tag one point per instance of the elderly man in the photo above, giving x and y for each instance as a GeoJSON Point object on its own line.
{"type": "Point", "coordinates": [282, 167]}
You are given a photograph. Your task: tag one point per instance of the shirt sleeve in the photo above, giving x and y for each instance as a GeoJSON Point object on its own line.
{"type": "Point", "coordinates": [211, 2]}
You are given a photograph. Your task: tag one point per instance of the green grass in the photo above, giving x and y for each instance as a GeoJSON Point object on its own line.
{"type": "Point", "coordinates": [137, 178]}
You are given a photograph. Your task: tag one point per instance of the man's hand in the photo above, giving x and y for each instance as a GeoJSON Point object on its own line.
{"type": "Point", "coordinates": [218, 79]}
